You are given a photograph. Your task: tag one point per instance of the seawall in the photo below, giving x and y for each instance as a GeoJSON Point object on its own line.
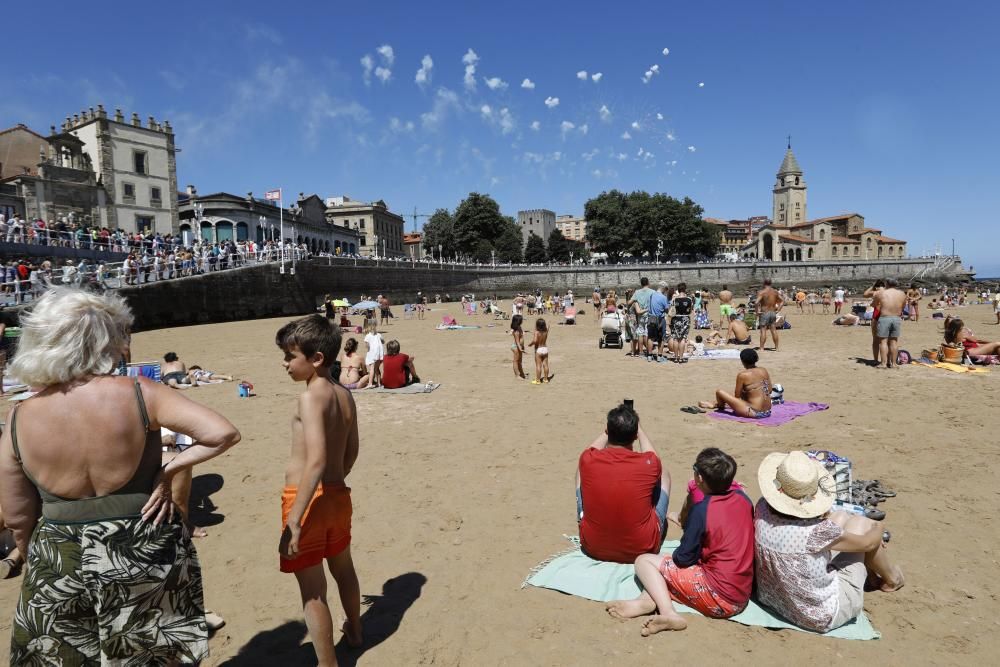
{"type": "Point", "coordinates": [262, 291]}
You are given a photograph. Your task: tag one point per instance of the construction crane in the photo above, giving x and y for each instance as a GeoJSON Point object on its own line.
{"type": "Point", "coordinates": [418, 215]}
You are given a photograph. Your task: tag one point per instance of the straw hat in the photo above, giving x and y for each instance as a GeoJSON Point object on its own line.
{"type": "Point", "coordinates": [795, 484]}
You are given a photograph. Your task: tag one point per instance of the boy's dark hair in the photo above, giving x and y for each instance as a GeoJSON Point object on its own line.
{"type": "Point", "coordinates": [170, 356]}
{"type": "Point", "coordinates": [311, 334]}
{"type": "Point", "coordinates": [623, 425]}
{"type": "Point", "coordinates": [767, 282]}
{"type": "Point", "coordinates": [350, 345]}
{"type": "Point", "coordinates": [644, 281]}
{"type": "Point", "coordinates": [891, 283]}
{"type": "Point", "coordinates": [725, 287]}
{"type": "Point", "coordinates": [682, 287]}
{"type": "Point", "coordinates": [194, 368]}
{"type": "Point", "coordinates": [697, 339]}
{"type": "Point", "coordinates": [749, 356]}
{"type": "Point", "coordinates": [717, 469]}
{"type": "Point", "coordinates": [392, 347]}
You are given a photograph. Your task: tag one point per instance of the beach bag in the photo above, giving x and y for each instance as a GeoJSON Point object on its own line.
{"type": "Point", "coordinates": [786, 325]}
{"type": "Point", "coordinates": [777, 394]}
{"type": "Point", "coordinates": [839, 469]}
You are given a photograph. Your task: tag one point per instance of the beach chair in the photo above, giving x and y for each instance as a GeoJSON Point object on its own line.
{"type": "Point", "coordinates": [409, 310]}
{"type": "Point", "coordinates": [149, 369]}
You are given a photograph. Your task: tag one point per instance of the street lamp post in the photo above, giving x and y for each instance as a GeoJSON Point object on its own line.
{"type": "Point", "coordinates": [440, 254]}
{"type": "Point", "coordinates": [493, 254]}
{"type": "Point", "coordinates": [263, 230]}
{"type": "Point", "coordinates": [199, 211]}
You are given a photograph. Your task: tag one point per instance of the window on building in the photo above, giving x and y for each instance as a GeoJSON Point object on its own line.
{"type": "Point", "coordinates": [797, 204]}
{"type": "Point", "coordinates": [798, 216]}
{"type": "Point", "coordinates": [868, 242]}
{"type": "Point", "coordinates": [128, 191]}
{"type": "Point", "coordinates": [834, 251]}
{"type": "Point", "coordinates": [155, 195]}
{"type": "Point", "coordinates": [822, 234]}
{"type": "Point", "coordinates": [144, 223]}
{"type": "Point", "coordinates": [796, 180]}
{"type": "Point", "coordinates": [363, 241]}
{"type": "Point", "coordinates": [857, 251]}
{"type": "Point", "coordinates": [781, 206]}
{"type": "Point", "coordinates": [140, 164]}
{"type": "Point", "coordinates": [782, 217]}
{"type": "Point", "coordinates": [890, 250]}
{"type": "Point", "coordinates": [361, 223]}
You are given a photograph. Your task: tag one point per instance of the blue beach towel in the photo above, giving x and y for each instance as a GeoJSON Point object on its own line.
{"type": "Point", "coordinates": [576, 574]}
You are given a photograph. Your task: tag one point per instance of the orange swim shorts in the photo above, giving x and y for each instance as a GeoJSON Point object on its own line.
{"type": "Point", "coordinates": [326, 526]}
{"type": "Point", "coordinates": [688, 586]}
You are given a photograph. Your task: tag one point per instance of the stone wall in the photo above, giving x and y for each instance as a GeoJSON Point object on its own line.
{"type": "Point", "coordinates": [261, 291]}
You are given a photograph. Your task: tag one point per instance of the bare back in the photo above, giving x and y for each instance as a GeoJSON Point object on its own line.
{"type": "Point", "coordinates": [890, 302]}
{"type": "Point", "coordinates": [725, 297]}
{"type": "Point", "coordinates": [769, 299]}
{"type": "Point", "coordinates": [339, 426]}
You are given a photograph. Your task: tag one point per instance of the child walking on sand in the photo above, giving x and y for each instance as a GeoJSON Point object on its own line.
{"type": "Point", "coordinates": [517, 345]}
{"type": "Point", "coordinates": [541, 351]}
{"type": "Point", "coordinates": [376, 351]}
{"type": "Point", "coordinates": [316, 502]}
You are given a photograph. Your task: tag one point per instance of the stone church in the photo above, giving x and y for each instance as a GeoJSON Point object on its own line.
{"type": "Point", "coordinates": [792, 237]}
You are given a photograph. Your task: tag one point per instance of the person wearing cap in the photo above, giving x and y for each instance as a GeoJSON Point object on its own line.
{"type": "Point", "coordinates": [812, 563]}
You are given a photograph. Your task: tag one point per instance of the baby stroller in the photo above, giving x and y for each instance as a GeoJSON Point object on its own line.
{"type": "Point", "coordinates": [611, 331]}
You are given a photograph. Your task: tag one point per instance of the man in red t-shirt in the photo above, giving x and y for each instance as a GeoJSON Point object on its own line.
{"type": "Point", "coordinates": [621, 494]}
{"type": "Point", "coordinates": [397, 369]}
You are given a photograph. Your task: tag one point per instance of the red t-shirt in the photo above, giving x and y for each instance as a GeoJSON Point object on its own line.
{"type": "Point", "coordinates": [617, 485]}
{"type": "Point", "coordinates": [393, 375]}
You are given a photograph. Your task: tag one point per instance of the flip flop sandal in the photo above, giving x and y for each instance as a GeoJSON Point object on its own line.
{"type": "Point", "coordinates": [876, 487]}
{"type": "Point", "coordinates": [874, 514]}
{"type": "Point", "coordinates": [692, 410]}
{"type": "Point", "coordinates": [214, 621]}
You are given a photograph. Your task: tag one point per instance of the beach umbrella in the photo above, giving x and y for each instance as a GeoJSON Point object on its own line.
{"type": "Point", "coordinates": [366, 305]}
{"type": "Point", "coordinates": [340, 303]}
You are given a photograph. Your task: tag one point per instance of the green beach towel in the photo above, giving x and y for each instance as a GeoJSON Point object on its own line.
{"type": "Point", "coordinates": [574, 573]}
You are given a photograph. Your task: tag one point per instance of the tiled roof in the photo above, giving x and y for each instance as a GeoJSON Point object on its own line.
{"type": "Point", "coordinates": [886, 239]}
{"type": "Point", "coordinates": [842, 216]}
{"type": "Point", "coordinates": [22, 126]}
{"type": "Point", "coordinates": [843, 239]}
{"type": "Point", "coordinates": [796, 239]}
{"type": "Point", "coordinates": [790, 165]}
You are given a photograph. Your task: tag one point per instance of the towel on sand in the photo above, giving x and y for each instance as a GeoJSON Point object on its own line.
{"type": "Point", "coordinates": [417, 388]}
{"type": "Point", "coordinates": [454, 327]}
{"type": "Point", "coordinates": [954, 368]}
{"type": "Point", "coordinates": [781, 413]}
{"type": "Point", "coordinates": [725, 353]}
{"type": "Point", "coordinates": [576, 574]}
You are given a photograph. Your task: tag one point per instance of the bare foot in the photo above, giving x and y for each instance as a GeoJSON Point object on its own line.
{"type": "Point", "coordinates": [660, 623]}
{"type": "Point", "coordinates": [707, 405]}
{"type": "Point", "coordinates": [198, 531]}
{"type": "Point", "coordinates": [897, 582]}
{"type": "Point", "coordinates": [353, 638]}
{"type": "Point", "coordinates": [625, 609]}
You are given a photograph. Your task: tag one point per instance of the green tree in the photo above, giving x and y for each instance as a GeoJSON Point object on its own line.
{"type": "Point", "coordinates": [578, 250]}
{"type": "Point", "coordinates": [558, 247]}
{"type": "Point", "coordinates": [685, 233]}
{"type": "Point", "coordinates": [643, 223]}
{"type": "Point", "coordinates": [476, 218]}
{"type": "Point", "coordinates": [439, 230]}
{"type": "Point", "coordinates": [607, 228]}
{"type": "Point", "coordinates": [508, 244]}
{"type": "Point", "coordinates": [534, 250]}
{"type": "Point", "coordinates": [483, 252]}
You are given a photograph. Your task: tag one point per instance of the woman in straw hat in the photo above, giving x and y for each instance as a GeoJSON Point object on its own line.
{"type": "Point", "coordinates": [812, 564]}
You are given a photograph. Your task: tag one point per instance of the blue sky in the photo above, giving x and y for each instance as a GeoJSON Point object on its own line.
{"type": "Point", "coordinates": [892, 111]}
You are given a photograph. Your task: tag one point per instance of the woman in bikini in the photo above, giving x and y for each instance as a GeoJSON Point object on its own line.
{"type": "Point", "coordinates": [957, 334]}
{"type": "Point", "coordinates": [752, 397]}
{"type": "Point", "coordinates": [517, 345]}
{"type": "Point", "coordinates": [353, 374]}
{"type": "Point", "coordinates": [541, 352]}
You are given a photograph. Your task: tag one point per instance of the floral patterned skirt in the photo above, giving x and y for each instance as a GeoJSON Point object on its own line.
{"type": "Point", "coordinates": [118, 591]}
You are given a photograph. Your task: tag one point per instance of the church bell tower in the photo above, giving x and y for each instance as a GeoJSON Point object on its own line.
{"type": "Point", "coordinates": [789, 192]}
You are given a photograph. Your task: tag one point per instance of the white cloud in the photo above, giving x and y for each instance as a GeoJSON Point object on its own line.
{"type": "Point", "coordinates": [626, 135]}
{"type": "Point", "coordinates": [444, 100]}
{"type": "Point", "coordinates": [495, 83]}
{"type": "Point", "coordinates": [423, 76]}
{"type": "Point", "coordinates": [588, 156]}
{"type": "Point", "coordinates": [537, 158]}
{"type": "Point", "coordinates": [659, 116]}
{"type": "Point", "coordinates": [535, 125]}
{"type": "Point", "coordinates": [583, 129]}
{"type": "Point", "coordinates": [557, 155]}
{"type": "Point", "coordinates": [506, 121]}
{"type": "Point", "coordinates": [701, 84]}
{"type": "Point", "coordinates": [635, 125]}
{"type": "Point", "coordinates": [582, 75]}
{"type": "Point", "coordinates": [383, 74]}
{"type": "Point", "coordinates": [494, 181]}
{"type": "Point", "coordinates": [565, 127]}
{"type": "Point", "coordinates": [470, 59]}
{"type": "Point", "coordinates": [552, 102]}
{"type": "Point", "coordinates": [641, 152]}
{"type": "Point", "coordinates": [650, 73]}
{"type": "Point", "coordinates": [596, 173]}
{"type": "Point", "coordinates": [596, 77]}
{"type": "Point", "coordinates": [605, 113]}
{"type": "Point", "coordinates": [621, 157]}
{"type": "Point", "coordinates": [666, 51]}
{"type": "Point", "coordinates": [387, 54]}
{"type": "Point", "coordinates": [367, 65]}
{"type": "Point", "coordinates": [671, 137]}
{"type": "Point", "coordinates": [692, 149]}
{"type": "Point", "coordinates": [655, 69]}
{"type": "Point", "coordinates": [528, 84]}
{"type": "Point", "coordinates": [486, 110]}
{"type": "Point", "coordinates": [399, 126]}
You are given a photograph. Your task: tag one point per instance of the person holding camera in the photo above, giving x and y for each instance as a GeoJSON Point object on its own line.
{"type": "Point", "coordinates": [621, 493]}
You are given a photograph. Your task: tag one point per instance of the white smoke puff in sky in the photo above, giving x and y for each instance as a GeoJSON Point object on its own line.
{"type": "Point", "coordinates": [423, 76]}
{"type": "Point", "coordinates": [367, 65]}
{"type": "Point", "coordinates": [692, 149]}
{"type": "Point", "coordinates": [666, 51]}
{"type": "Point", "coordinates": [626, 136]}
{"type": "Point", "coordinates": [566, 126]}
{"type": "Point", "coordinates": [535, 125]}
{"type": "Point", "coordinates": [495, 83]}
{"type": "Point", "coordinates": [605, 113]}
{"type": "Point", "coordinates": [596, 77]}
{"type": "Point", "coordinates": [584, 129]}
{"type": "Point", "coordinates": [659, 116]}
{"type": "Point", "coordinates": [635, 125]}
{"type": "Point", "coordinates": [486, 110]}
{"type": "Point", "coordinates": [552, 102]}
{"type": "Point", "coordinates": [671, 137]}
{"type": "Point", "coordinates": [582, 75]}
{"type": "Point", "coordinates": [622, 157]}
{"type": "Point", "coordinates": [647, 76]}
{"type": "Point", "coordinates": [701, 84]}
{"type": "Point", "coordinates": [506, 121]}
{"type": "Point", "coordinates": [387, 54]}
{"type": "Point", "coordinates": [383, 74]}
{"type": "Point", "coordinates": [528, 84]}
{"type": "Point", "coordinates": [470, 59]}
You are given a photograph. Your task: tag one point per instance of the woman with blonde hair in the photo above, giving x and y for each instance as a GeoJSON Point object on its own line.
{"type": "Point", "coordinates": [110, 562]}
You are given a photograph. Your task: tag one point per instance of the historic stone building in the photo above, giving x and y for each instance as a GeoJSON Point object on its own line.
{"type": "Point", "coordinates": [538, 221]}
{"type": "Point", "coordinates": [380, 230]}
{"type": "Point", "coordinates": [222, 216]}
{"type": "Point", "coordinates": [136, 165]}
{"type": "Point", "coordinates": [792, 237]}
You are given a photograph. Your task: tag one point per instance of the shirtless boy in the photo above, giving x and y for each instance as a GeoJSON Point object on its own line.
{"type": "Point", "coordinates": [725, 306]}
{"type": "Point", "coordinates": [316, 502]}
{"type": "Point", "coordinates": [913, 297]}
{"type": "Point", "coordinates": [769, 302]}
{"type": "Point", "coordinates": [737, 333]}
{"type": "Point", "coordinates": [889, 302]}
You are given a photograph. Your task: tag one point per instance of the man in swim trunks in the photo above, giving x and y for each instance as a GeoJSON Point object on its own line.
{"type": "Point", "coordinates": [889, 302]}
{"type": "Point", "coordinates": [173, 373]}
{"type": "Point", "coordinates": [316, 502]}
{"type": "Point", "coordinates": [913, 297]}
{"type": "Point", "coordinates": [769, 302]}
{"type": "Point", "coordinates": [725, 306]}
{"type": "Point", "coordinates": [737, 333]}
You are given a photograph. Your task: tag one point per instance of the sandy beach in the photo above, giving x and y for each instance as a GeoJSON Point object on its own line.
{"type": "Point", "coordinates": [459, 493]}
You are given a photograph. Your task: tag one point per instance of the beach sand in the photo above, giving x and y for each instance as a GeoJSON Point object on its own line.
{"type": "Point", "coordinates": [459, 493]}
